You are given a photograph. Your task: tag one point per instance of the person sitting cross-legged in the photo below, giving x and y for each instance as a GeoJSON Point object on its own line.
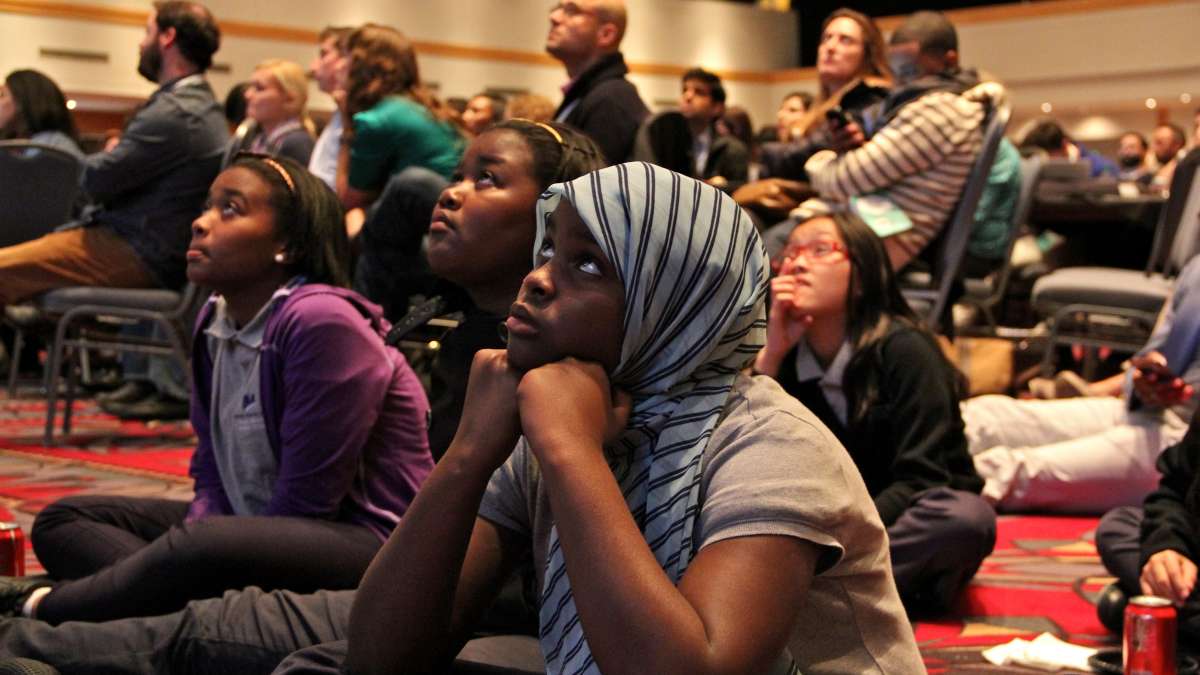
{"type": "Point", "coordinates": [842, 340]}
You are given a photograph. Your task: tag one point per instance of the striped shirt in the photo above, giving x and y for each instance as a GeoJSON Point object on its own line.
{"type": "Point", "coordinates": [919, 160]}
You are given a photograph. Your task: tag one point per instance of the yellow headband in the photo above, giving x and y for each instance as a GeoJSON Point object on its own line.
{"type": "Point", "coordinates": [282, 174]}
{"type": "Point", "coordinates": [549, 129]}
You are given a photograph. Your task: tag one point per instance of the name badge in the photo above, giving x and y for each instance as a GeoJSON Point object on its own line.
{"type": "Point", "coordinates": [881, 215]}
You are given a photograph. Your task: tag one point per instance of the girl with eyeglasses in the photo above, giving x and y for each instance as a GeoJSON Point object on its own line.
{"type": "Point", "coordinates": [842, 340]}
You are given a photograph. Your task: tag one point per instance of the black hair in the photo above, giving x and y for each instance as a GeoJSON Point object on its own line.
{"type": "Point", "coordinates": [556, 159]}
{"type": "Point", "coordinates": [874, 305]}
{"type": "Point", "coordinates": [711, 79]}
{"type": "Point", "coordinates": [668, 139]}
{"type": "Point", "coordinates": [196, 30]}
{"type": "Point", "coordinates": [1138, 135]}
{"type": "Point", "coordinates": [1176, 130]}
{"type": "Point", "coordinates": [1047, 135]}
{"type": "Point", "coordinates": [932, 32]}
{"type": "Point", "coordinates": [308, 216]}
{"type": "Point", "coordinates": [40, 106]}
{"type": "Point", "coordinates": [235, 103]}
{"type": "Point", "coordinates": [737, 121]}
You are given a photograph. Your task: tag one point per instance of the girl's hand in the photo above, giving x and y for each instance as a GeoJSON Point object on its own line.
{"type": "Point", "coordinates": [490, 424]}
{"type": "Point", "coordinates": [784, 327]}
{"type": "Point", "coordinates": [1169, 574]}
{"type": "Point", "coordinates": [569, 406]}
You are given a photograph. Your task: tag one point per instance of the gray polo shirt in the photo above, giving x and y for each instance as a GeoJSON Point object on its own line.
{"type": "Point", "coordinates": [247, 465]}
{"type": "Point", "coordinates": [771, 468]}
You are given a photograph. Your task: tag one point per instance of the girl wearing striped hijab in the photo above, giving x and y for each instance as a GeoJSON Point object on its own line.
{"type": "Point", "coordinates": [682, 517]}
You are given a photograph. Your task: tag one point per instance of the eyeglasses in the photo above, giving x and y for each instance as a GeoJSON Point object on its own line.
{"type": "Point", "coordinates": [819, 251]}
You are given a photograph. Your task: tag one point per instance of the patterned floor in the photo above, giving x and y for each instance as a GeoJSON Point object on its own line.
{"type": "Point", "coordinates": [1042, 577]}
{"type": "Point", "coordinates": [101, 456]}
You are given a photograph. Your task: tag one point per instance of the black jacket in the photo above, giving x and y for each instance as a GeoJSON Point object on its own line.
{"type": "Point", "coordinates": [729, 158]}
{"type": "Point", "coordinates": [604, 105]}
{"type": "Point", "coordinates": [153, 184]}
{"type": "Point", "coordinates": [912, 438]}
{"type": "Point", "coordinates": [1172, 512]}
{"type": "Point", "coordinates": [1171, 519]}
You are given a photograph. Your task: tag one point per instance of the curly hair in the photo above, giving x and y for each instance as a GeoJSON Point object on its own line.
{"type": "Point", "coordinates": [383, 63]}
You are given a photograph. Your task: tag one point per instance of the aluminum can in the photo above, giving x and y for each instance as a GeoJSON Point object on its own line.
{"type": "Point", "coordinates": [1149, 636]}
{"type": "Point", "coordinates": [12, 550]}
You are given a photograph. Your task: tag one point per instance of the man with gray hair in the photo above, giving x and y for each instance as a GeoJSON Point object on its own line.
{"type": "Point", "coordinates": [585, 35]}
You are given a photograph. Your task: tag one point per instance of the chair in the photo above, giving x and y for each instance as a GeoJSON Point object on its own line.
{"type": "Point", "coordinates": [988, 292]}
{"type": "Point", "coordinates": [929, 294]}
{"type": "Point", "coordinates": [664, 139]}
{"type": "Point", "coordinates": [171, 311]}
{"type": "Point", "coordinates": [1117, 308]}
{"type": "Point", "coordinates": [38, 188]}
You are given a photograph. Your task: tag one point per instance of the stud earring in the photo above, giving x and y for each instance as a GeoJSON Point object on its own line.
{"type": "Point", "coordinates": [280, 258]}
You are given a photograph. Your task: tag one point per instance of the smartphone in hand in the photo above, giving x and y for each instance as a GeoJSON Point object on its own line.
{"type": "Point", "coordinates": [837, 118]}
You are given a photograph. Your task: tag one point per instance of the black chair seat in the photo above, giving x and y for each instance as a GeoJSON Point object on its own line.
{"type": "Point", "coordinates": [1101, 286]}
{"type": "Point", "coordinates": [149, 299]}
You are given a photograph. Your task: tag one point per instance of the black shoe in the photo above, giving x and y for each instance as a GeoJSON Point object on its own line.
{"type": "Point", "coordinates": [14, 591]}
{"type": "Point", "coordinates": [153, 407]}
{"type": "Point", "coordinates": [1110, 608]}
{"type": "Point", "coordinates": [130, 392]}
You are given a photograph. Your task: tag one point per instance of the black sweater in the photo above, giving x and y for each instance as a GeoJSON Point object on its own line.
{"type": "Point", "coordinates": [606, 106]}
{"type": "Point", "coordinates": [911, 439]}
{"type": "Point", "coordinates": [1172, 512]}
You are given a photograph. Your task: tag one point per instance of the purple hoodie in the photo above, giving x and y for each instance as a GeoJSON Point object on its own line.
{"type": "Point", "coordinates": [345, 415]}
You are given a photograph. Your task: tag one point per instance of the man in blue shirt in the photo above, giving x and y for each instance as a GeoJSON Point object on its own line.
{"type": "Point", "coordinates": [147, 189]}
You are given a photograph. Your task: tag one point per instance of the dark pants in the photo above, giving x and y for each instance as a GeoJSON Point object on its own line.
{"type": "Point", "coordinates": [244, 632]}
{"type": "Point", "coordinates": [391, 266]}
{"type": "Point", "coordinates": [1119, 542]}
{"type": "Point", "coordinates": [125, 556]}
{"type": "Point", "coordinates": [937, 545]}
{"type": "Point", "coordinates": [495, 655]}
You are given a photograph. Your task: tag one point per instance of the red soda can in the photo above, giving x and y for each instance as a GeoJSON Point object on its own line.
{"type": "Point", "coordinates": [12, 550]}
{"type": "Point", "coordinates": [1149, 636]}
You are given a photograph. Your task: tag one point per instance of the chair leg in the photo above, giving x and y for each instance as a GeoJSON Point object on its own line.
{"type": "Point", "coordinates": [72, 363]}
{"type": "Point", "coordinates": [15, 366]}
{"type": "Point", "coordinates": [1047, 365]}
{"type": "Point", "coordinates": [53, 364]}
{"type": "Point", "coordinates": [176, 336]}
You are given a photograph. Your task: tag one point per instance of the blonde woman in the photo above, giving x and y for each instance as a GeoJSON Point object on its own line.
{"type": "Point", "coordinates": [276, 100]}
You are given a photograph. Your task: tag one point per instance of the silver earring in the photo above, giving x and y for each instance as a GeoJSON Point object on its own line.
{"type": "Point", "coordinates": [280, 258]}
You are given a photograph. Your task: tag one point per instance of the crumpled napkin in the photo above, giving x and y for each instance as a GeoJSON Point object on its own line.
{"type": "Point", "coordinates": [1045, 652]}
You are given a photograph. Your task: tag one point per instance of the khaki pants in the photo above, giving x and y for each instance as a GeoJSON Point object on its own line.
{"type": "Point", "coordinates": [86, 256]}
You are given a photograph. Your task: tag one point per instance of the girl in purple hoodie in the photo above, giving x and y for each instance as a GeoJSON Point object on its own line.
{"type": "Point", "coordinates": [311, 432]}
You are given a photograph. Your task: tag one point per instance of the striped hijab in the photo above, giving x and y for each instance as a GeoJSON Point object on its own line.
{"type": "Point", "coordinates": [695, 278]}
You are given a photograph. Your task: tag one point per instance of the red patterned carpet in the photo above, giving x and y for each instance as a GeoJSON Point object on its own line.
{"type": "Point", "coordinates": [103, 455]}
{"type": "Point", "coordinates": [1042, 577]}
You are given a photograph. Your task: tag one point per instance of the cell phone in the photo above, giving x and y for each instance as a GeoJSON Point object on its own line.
{"type": "Point", "coordinates": [837, 118]}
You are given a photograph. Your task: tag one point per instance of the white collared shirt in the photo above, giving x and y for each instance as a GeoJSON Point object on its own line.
{"type": "Point", "coordinates": [808, 368]}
